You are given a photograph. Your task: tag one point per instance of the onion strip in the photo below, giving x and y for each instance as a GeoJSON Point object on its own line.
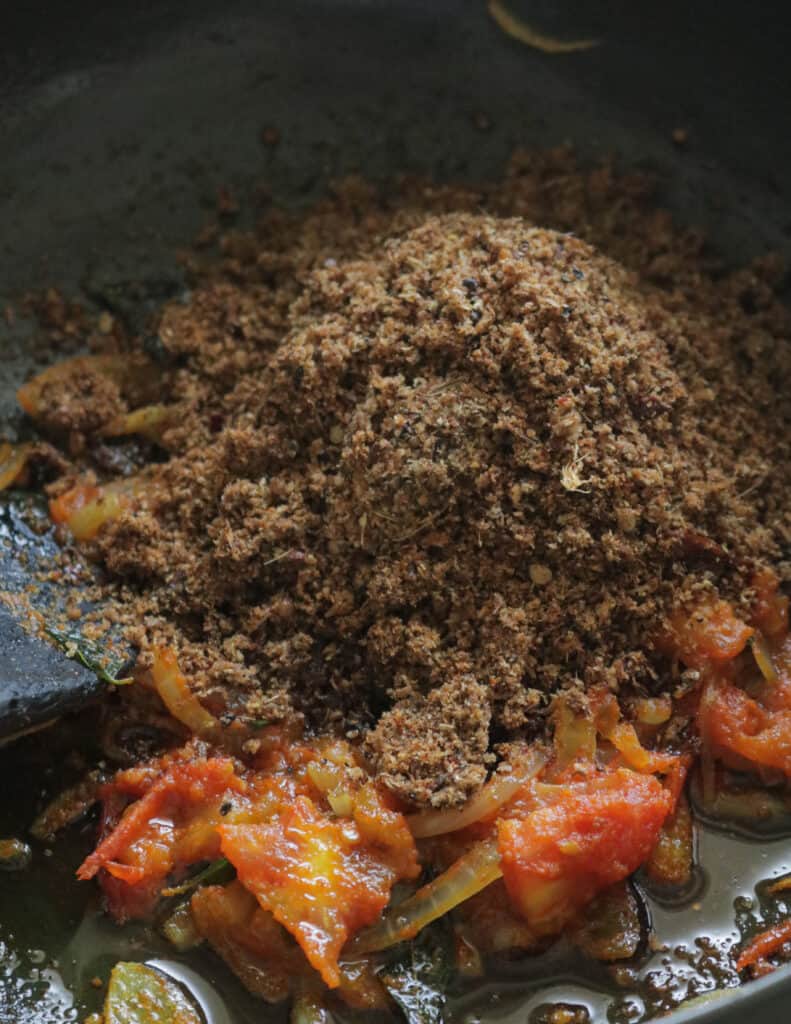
{"type": "Point", "coordinates": [524, 33]}
{"type": "Point", "coordinates": [472, 872]}
{"type": "Point", "coordinates": [112, 366]}
{"type": "Point", "coordinates": [763, 658]}
{"type": "Point", "coordinates": [176, 695]}
{"type": "Point", "coordinates": [13, 459]}
{"type": "Point", "coordinates": [500, 788]}
{"type": "Point", "coordinates": [149, 421]}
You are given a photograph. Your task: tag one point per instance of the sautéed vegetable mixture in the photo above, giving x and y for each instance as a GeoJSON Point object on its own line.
{"type": "Point", "coordinates": [449, 527]}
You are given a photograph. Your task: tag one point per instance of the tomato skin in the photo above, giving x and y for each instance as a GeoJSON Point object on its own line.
{"type": "Point", "coordinates": [712, 633]}
{"type": "Point", "coordinates": [320, 878]}
{"type": "Point", "coordinates": [597, 832]}
{"type": "Point", "coordinates": [167, 828]}
{"type": "Point", "coordinates": [742, 732]}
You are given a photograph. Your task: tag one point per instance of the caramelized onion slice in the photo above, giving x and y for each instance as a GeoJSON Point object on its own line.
{"type": "Point", "coordinates": [611, 928]}
{"type": "Point", "coordinates": [524, 33]}
{"type": "Point", "coordinates": [500, 788]}
{"type": "Point", "coordinates": [763, 658]}
{"type": "Point", "coordinates": [113, 366]}
{"type": "Point", "coordinates": [176, 695]}
{"type": "Point", "coordinates": [473, 871]}
{"type": "Point", "coordinates": [13, 459]}
{"type": "Point", "coordinates": [150, 421]}
{"type": "Point", "coordinates": [672, 859]}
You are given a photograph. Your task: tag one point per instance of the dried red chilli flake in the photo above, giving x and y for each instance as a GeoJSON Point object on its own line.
{"type": "Point", "coordinates": [764, 945]}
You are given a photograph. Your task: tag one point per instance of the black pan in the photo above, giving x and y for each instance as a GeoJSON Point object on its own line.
{"type": "Point", "coordinates": [119, 121]}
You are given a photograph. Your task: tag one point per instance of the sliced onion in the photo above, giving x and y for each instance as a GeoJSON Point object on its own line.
{"type": "Point", "coordinates": [626, 741]}
{"type": "Point", "coordinates": [180, 929]}
{"type": "Point", "coordinates": [308, 1008]}
{"type": "Point", "coordinates": [114, 366]}
{"type": "Point", "coordinates": [708, 768]}
{"type": "Point", "coordinates": [502, 786]}
{"type": "Point", "coordinates": [575, 735]}
{"type": "Point", "coordinates": [524, 33]}
{"type": "Point", "coordinates": [68, 807]}
{"type": "Point", "coordinates": [176, 695]}
{"type": "Point", "coordinates": [653, 710]}
{"type": "Point", "coordinates": [672, 860]}
{"type": "Point", "coordinates": [13, 459]}
{"type": "Point", "coordinates": [611, 928]}
{"type": "Point", "coordinates": [149, 421]}
{"type": "Point", "coordinates": [472, 872]}
{"type": "Point", "coordinates": [14, 855]}
{"type": "Point", "coordinates": [763, 658]}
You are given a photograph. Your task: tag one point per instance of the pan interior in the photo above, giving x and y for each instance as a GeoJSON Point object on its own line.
{"type": "Point", "coordinates": [118, 125]}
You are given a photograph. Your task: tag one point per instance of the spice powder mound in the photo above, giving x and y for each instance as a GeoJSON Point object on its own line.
{"type": "Point", "coordinates": [442, 452]}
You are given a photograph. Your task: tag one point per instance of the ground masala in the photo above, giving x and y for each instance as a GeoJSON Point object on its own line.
{"type": "Point", "coordinates": [441, 452]}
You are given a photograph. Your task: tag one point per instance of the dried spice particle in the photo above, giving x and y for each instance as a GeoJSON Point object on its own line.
{"type": "Point", "coordinates": [437, 459]}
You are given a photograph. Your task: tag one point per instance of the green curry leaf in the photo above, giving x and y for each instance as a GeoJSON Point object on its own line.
{"type": "Point", "coordinates": [90, 655]}
{"type": "Point", "coordinates": [216, 873]}
{"type": "Point", "coordinates": [418, 980]}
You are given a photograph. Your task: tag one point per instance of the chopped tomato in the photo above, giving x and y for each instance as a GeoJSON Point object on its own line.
{"type": "Point", "coordinates": [170, 826]}
{"type": "Point", "coordinates": [319, 877]}
{"type": "Point", "coordinates": [742, 732]}
{"type": "Point", "coordinates": [322, 876]}
{"type": "Point", "coordinates": [592, 834]}
{"type": "Point", "coordinates": [711, 633]}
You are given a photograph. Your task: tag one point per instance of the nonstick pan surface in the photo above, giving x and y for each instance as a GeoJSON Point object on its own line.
{"type": "Point", "coordinates": [118, 122]}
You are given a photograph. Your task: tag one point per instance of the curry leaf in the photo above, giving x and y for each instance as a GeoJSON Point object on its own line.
{"type": "Point", "coordinates": [418, 979]}
{"type": "Point", "coordinates": [90, 655]}
{"type": "Point", "coordinates": [216, 873]}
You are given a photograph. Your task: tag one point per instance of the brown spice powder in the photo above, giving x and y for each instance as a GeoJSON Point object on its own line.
{"type": "Point", "coordinates": [433, 465]}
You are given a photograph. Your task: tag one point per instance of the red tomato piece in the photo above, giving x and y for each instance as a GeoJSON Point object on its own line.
{"type": "Point", "coordinates": [161, 832]}
{"type": "Point", "coordinates": [322, 879]}
{"type": "Point", "coordinates": [711, 633]}
{"type": "Point", "coordinates": [743, 732]}
{"type": "Point", "coordinates": [592, 834]}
